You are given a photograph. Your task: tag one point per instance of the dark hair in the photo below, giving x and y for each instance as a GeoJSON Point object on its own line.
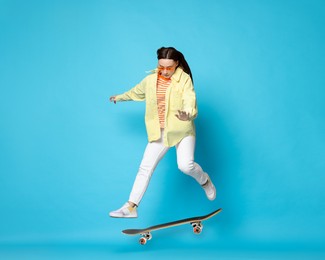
{"type": "Point", "coordinates": [173, 54]}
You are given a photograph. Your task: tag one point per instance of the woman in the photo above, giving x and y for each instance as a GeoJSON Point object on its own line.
{"type": "Point", "coordinates": [170, 113]}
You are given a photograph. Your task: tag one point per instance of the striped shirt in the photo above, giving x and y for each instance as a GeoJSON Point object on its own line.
{"type": "Point", "coordinates": [162, 85]}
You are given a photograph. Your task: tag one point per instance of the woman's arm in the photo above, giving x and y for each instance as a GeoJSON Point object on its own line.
{"type": "Point", "coordinates": [137, 93]}
{"type": "Point", "coordinates": [189, 111]}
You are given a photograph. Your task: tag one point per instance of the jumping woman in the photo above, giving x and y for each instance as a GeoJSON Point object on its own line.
{"type": "Point", "coordinates": [170, 112]}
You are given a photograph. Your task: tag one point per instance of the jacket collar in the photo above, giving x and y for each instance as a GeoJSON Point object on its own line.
{"type": "Point", "coordinates": [177, 74]}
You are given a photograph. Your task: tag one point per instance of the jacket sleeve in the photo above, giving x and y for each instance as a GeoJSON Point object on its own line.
{"type": "Point", "coordinates": [189, 99]}
{"type": "Point", "coordinates": [136, 93]}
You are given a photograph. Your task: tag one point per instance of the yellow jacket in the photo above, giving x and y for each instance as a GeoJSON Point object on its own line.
{"type": "Point", "coordinates": [180, 95]}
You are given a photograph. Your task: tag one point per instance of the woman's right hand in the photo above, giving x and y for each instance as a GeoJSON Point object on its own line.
{"type": "Point", "coordinates": [112, 99]}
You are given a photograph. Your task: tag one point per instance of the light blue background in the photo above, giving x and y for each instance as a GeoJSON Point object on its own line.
{"type": "Point", "coordinates": [68, 156]}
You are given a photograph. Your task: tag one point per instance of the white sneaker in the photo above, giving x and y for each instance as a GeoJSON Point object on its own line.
{"type": "Point", "coordinates": [209, 189]}
{"type": "Point", "coordinates": [127, 211]}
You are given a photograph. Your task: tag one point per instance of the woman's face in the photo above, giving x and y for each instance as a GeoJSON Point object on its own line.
{"type": "Point", "coordinates": [167, 67]}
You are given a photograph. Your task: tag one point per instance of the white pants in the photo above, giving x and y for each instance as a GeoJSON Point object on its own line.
{"type": "Point", "coordinates": [154, 152]}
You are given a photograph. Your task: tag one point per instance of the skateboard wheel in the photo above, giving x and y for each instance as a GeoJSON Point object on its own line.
{"type": "Point", "coordinates": [197, 230]}
{"type": "Point", "coordinates": [197, 227]}
{"type": "Point", "coordinates": [142, 240]}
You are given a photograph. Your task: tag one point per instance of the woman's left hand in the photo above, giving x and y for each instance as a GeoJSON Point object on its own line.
{"type": "Point", "coordinates": [183, 116]}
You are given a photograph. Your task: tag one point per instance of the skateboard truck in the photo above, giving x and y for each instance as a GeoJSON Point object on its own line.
{"type": "Point", "coordinates": [197, 227]}
{"type": "Point", "coordinates": [145, 237]}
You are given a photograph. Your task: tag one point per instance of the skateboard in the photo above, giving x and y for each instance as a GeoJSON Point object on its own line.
{"type": "Point", "coordinates": [196, 223]}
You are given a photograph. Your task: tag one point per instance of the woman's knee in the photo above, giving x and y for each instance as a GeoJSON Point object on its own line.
{"type": "Point", "coordinates": [186, 167]}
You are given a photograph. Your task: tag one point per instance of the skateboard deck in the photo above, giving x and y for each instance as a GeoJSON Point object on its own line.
{"type": "Point", "coordinates": [196, 223]}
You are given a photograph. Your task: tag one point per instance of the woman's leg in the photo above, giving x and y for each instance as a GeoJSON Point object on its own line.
{"type": "Point", "coordinates": [154, 152]}
{"type": "Point", "coordinates": [185, 160]}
